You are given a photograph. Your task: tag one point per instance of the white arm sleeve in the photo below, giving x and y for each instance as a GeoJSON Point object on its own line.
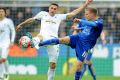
{"type": "Point", "coordinates": [38, 16]}
{"type": "Point", "coordinates": [63, 16]}
{"type": "Point", "coordinates": [12, 30]}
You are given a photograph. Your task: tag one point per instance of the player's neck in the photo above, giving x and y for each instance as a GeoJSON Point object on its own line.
{"type": "Point", "coordinates": [95, 18]}
{"type": "Point", "coordinates": [51, 14]}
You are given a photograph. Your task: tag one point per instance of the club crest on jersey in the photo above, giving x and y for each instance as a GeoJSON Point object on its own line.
{"type": "Point", "coordinates": [86, 30]}
{"type": "Point", "coordinates": [51, 21]}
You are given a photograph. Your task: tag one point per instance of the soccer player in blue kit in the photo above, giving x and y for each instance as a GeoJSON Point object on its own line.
{"type": "Point", "coordinates": [82, 42]}
{"type": "Point", "coordinates": [87, 62]}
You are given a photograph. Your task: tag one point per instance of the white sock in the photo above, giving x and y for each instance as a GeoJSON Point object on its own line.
{"type": "Point", "coordinates": [51, 74]}
{"type": "Point", "coordinates": [6, 66]}
{"type": "Point", "coordinates": [1, 71]}
{"type": "Point", "coordinates": [36, 40]}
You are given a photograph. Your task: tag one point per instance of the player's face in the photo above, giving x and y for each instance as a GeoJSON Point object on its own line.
{"type": "Point", "coordinates": [2, 13]}
{"type": "Point", "coordinates": [53, 9]}
{"type": "Point", "coordinates": [89, 15]}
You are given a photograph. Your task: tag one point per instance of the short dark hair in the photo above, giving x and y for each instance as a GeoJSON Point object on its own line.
{"type": "Point", "coordinates": [93, 10]}
{"type": "Point", "coordinates": [54, 4]}
{"type": "Point", "coordinates": [3, 9]}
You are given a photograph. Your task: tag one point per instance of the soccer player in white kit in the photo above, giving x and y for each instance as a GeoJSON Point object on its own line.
{"type": "Point", "coordinates": [6, 29]}
{"type": "Point", "coordinates": [50, 22]}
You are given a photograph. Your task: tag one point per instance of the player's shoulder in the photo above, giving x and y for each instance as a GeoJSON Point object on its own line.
{"type": "Point", "coordinates": [60, 14]}
{"type": "Point", "coordinates": [8, 19]}
{"type": "Point", "coordinates": [43, 12]}
{"type": "Point", "coordinates": [99, 20]}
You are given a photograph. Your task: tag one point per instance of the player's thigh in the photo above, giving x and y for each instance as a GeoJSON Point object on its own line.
{"type": "Point", "coordinates": [74, 39]}
{"type": "Point", "coordinates": [64, 40]}
{"type": "Point", "coordinates": [53, 52]}
{"type": "Point", "coordinates": [81, 53]}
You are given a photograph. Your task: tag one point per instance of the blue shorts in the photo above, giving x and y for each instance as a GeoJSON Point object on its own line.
{"type": "Point", "coordinates": [89, 56]}
{"type": "Point", "coordinates": [81, 51]}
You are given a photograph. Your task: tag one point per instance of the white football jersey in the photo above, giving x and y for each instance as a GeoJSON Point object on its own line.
{"type": "Point", "coordinates": [6, 29]}
{"type": "Point", "coordinates": [49, 24]}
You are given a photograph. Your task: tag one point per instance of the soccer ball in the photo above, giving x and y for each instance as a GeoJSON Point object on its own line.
{"type": "Point", "coordinates": [25, 42]}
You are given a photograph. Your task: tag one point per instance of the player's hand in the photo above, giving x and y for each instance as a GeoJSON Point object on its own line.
{"type": "Point", "coordinates": [74, 27]}
{"type": "Point", "coordinates": [18, 27]}
{"type": "Point", "coordinates": [76, 20]}
{"type": "Point", "coordinates": [88, 1]}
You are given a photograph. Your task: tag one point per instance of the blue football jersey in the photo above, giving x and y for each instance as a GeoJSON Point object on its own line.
{"type": "Point", "coordinates": [91, 30]}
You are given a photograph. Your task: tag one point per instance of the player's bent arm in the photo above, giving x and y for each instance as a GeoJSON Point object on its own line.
{"type": "Point", "coordinates": [28, 21]}
{"type": "Point", "coordinates": [89, 23]}
{"type": "Point", "coordinates": [75, 28]}
{"type": "Point", "coordinates": [80, 9]}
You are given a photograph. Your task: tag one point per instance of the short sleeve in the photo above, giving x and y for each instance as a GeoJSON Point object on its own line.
{"type": "Point", "coordinates": [63, 16]}
{"type": "Point", "coordinates": [38, 16]}
{"type": "Point", "coordinates": [99, 23]}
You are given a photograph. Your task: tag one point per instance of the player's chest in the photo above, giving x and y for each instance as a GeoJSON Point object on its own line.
{"type": "Point", "coordinates": [3, 26]}
{"type": "Point", "coordinates": [87, 30]}
{"type": "Point", "coordinates": [50, 20]}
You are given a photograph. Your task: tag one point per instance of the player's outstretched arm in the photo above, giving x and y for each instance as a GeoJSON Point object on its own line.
{"type": "Point", "coordinates": [28, 21]}
{"type": "Point", "coordinates": [89, 23]}
{"type": "Point", "coordinates": [80, 9]}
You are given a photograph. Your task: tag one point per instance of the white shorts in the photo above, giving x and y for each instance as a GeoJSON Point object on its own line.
{"type": "Point", "coordinates": [3, 52]}
{"type": "Point", "coordinates": [53, 50]}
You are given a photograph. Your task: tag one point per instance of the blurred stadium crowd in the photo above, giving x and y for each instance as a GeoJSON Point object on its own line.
{"type": "Point", "coordinates": [111, 16]}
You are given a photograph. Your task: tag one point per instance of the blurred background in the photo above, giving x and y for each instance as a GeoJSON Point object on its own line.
{"type": "Point", "coordinates": [29, 64]}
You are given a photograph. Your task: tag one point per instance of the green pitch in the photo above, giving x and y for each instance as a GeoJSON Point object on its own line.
{"type": "Point", "coordinates": [43, 77]}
